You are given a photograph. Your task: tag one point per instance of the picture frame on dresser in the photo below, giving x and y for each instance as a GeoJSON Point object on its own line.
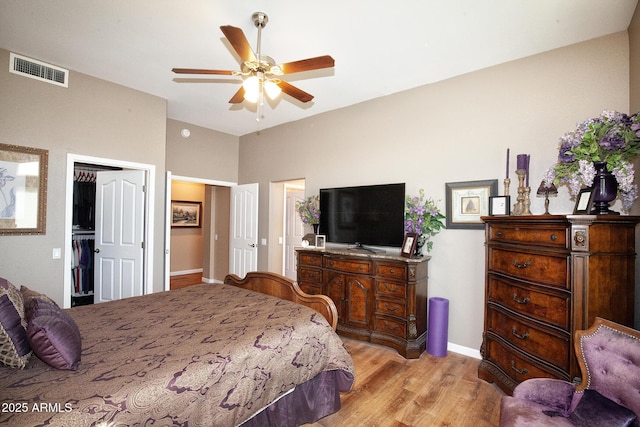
{"type": "Point", "coordinates": [467, 202]}
{"type": "Point", "coordinates": [500, 205]}
{"type": "Point", "coordinates": [321, 240]}
{"type": "Point", "coordinates": [584, 202]}
{"type": "Point", "coordinates": [409, 245]}
{"type": "Point", "coordinates": [23, 172]}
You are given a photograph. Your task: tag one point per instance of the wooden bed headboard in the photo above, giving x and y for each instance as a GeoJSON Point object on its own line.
{"type": "Point", "coordinates": [284, 288]}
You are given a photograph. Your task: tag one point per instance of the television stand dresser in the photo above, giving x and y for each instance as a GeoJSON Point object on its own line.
{"type": "Point", "coordinates": [380, 298]}
{"type": "Point", "coordinates": [546, 277]}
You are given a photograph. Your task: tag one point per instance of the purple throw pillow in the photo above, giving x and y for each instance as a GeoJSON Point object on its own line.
{"type": "Point", "coordinates": [14, 346]}
{"type": "Point", "coordinates": [54, 336]}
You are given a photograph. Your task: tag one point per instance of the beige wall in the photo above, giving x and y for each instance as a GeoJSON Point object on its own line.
{"type": "Point", "coordinates": [455, 130]}
{"type": "Point", "coordinates": [187, 242]}
{"type": "Point", "coordinates": [206, 154]}
{"type": "Point", "coordinates": [94, 118]}
{"type": "Point", "coordinates": [634, 62]}
{"type": "Point", "coordinates": [217, 235]}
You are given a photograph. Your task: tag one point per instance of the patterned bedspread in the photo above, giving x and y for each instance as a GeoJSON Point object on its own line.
{"type": "Point", "coordinates": [206, 355]}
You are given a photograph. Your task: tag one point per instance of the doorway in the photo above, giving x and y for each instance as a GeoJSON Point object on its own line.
{"type": "Point", "coordinates": [146, 218]}
{"type": "Point", "coordinates": [293, 228]}
{"type": "Point", "coordinates": [215, 227]}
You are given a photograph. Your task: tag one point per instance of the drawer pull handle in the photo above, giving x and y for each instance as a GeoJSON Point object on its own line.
{"type": "Point", "coordinates": [517, 335]}
{"type": "Point", "coordinates": [391, 271]}
{"type": "Point", "coordinates": [360, 268]}
{"type": "Point", "coordinates": [390, 327]}
{"type": "Point", "coordinates": [498, 233]}
{"type": "Point", "coordinates": [553, 237]}
{"type": "Point", "coordinates": [521, 301]}
{"type": "Point", "coordinates": [523, 265]}
{"type": "Point", "coordinates": [390, 289]}
{"type": "Point", "coordinates": [520, 371]}
{"type": "Point", "coordinates": [391, 307]}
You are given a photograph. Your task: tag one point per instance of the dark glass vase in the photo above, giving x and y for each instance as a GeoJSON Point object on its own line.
{"type": "Point", "coordinates": [315, 228]}
{"type": "Point", "coordinates": [605, 190]}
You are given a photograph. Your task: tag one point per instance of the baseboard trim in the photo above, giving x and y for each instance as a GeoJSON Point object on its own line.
{"type": "Point", "coordinates": [183, 272]}
{"type": "Point", "coordinates": [466, 351]}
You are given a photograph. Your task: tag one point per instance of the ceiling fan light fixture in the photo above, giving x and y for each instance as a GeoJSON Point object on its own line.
{"type": "Point", "coordinates": [272, 89]}
{"type": "Point", "coordinates": [251, 87]}
{"type": "Point", "coordinates": [260, 73]}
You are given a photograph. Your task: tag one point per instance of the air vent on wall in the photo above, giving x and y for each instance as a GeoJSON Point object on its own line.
{"type": "Point", "coordinates": [38, 70]}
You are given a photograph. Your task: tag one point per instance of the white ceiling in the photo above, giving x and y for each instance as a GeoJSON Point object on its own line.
{"type": "Point", "coordinates": [380, 47]}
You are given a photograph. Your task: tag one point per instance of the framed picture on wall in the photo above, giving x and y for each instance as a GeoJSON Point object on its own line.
{"type": "Point", "coordinates": [23, 190]}
{"type": "Point", "coordinates": [185, 214]}
{"type": "Point", "coordinates": [468, 201]}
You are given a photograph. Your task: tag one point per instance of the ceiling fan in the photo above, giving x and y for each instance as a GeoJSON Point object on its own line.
{"type": "Point", "coordinates": [261, 73]}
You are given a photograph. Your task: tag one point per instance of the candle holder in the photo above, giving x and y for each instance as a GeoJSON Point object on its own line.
{"type": "Point", "coordinates": [523, 204]}
{"type": "Point", "coordinates": [507, 184]}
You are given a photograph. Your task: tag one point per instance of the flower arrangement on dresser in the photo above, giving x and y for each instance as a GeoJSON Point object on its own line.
{"type": "Point", "coordinates": [423, 217]}
{"type": "Point", "coordinates": [309, 210]}
{"type": "Point", "coordinates": [605, 144]}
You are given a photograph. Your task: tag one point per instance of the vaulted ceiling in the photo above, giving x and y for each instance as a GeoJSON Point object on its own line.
{"type": "Point", "coordinates": [379, 47]}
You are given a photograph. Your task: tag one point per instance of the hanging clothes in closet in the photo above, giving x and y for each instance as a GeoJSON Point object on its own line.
{"type": "Point", "coordinates": [82, 270]}
{"type": "Point", "coordinates": [84, 199]}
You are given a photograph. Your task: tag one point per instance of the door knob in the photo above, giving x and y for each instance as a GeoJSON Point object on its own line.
{"type": "Point", "coordinates": [253, 245]}
{"type": "Point", "coordinates": [97, 250]}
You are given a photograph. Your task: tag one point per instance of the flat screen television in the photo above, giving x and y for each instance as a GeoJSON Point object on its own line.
{"type": "Point", "coordinates": [363, 215]}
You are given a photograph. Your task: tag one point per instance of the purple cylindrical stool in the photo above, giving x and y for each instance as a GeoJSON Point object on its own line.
{"type": "Point", "coordinates": [438, 326]}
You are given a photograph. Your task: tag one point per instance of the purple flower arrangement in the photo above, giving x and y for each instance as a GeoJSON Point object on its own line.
{"type": "Point", "coordinates": [309, 210]}
{"type": "Point", "coordinates": [612, 138]}
{"type": "Point", "coordinates": [423, 217]}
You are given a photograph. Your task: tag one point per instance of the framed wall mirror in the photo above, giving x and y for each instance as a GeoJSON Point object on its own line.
{"type": "Point", "coordinates": [23, 190]}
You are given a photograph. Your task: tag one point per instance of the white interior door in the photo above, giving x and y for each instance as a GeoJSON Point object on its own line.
{"type": "Point", "coordinates": [243, 247]}
{"type": "Point", "coordinates": [118, 268]}
{"type": "Point", "coordinates": [293, 231]}
{"type": "Point", "coordinates": [167, 232]}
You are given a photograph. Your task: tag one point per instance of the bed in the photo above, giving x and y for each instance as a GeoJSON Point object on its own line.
{"type": "Point", "coordinates": [205, 355]}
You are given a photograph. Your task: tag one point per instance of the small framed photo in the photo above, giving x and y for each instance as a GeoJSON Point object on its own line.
{"type": "Point", "coordinates": [500, 205]}
{"type": "Point", "coordinates": [409, 245]}
{"type": "Point", "coordinates": [185, 214]}
{"type": "Point", "coordinates": [584, 202]}
{"type": "Point", "coordinates": [468, 201]}
{"type": "Point", "coordinates": [320, 241]}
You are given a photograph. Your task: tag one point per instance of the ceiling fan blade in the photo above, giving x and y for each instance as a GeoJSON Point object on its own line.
{"type": "Point", "coordinates": [199, 71]}
{"type": "Point", "coordinates": [239, 42]}
{"type": "Point", "coordinates": [293, 91]}
{"type": "Point", "coordinates": [238, 97]}
{"type": "Point", "coordinates": [316, 63]}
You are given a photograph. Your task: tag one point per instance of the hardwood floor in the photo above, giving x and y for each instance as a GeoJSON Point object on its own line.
{"type": "Point", "coordinates": [431, 391]}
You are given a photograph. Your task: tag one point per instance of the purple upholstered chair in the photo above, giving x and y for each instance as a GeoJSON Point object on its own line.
{"type": "Point", "coordinates": [609, 394]}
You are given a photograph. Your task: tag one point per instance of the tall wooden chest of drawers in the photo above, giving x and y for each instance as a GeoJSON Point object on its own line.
{"type": "Point", "coordinates": [546, 277]}
{"type": "Point", "coordinates": [380, 298]}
